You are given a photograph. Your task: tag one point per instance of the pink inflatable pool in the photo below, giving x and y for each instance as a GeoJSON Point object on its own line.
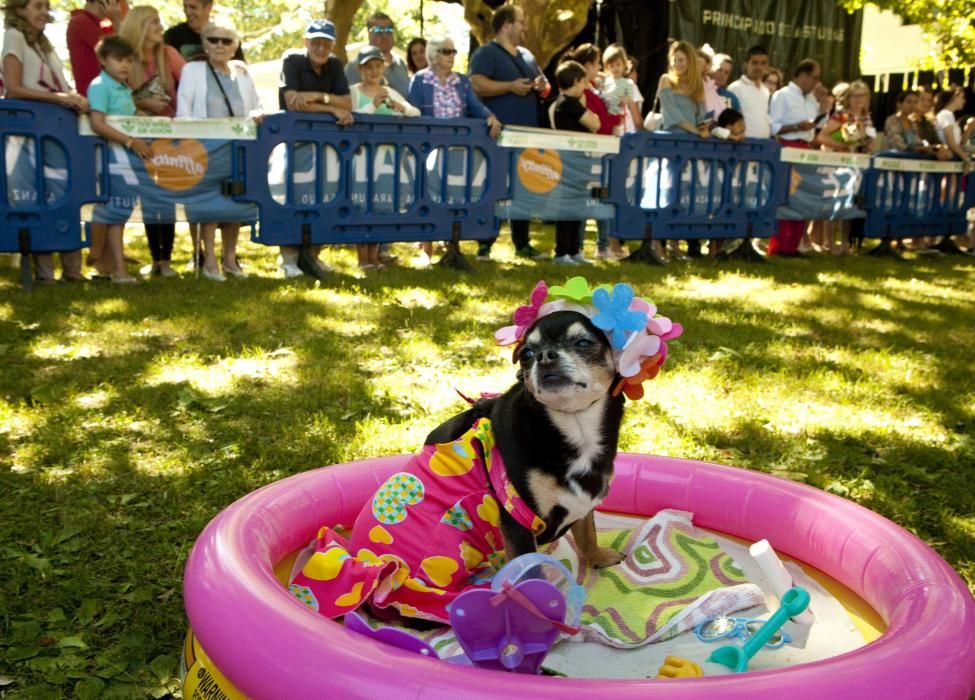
{"type": "Point", "coordinates": [269, 645]}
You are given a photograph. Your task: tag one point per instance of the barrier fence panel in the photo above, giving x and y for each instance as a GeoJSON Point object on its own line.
{"type": "Point", "coordinates": [39, 206]}
{"type": "Point", "coordinates": [687, 187]}
{"type": "Point", "coordinates": [382, 179]}
{"type": "Point", "coordinates": [909, 196]}
{"type": "Point", "coordinates": [386, 179]}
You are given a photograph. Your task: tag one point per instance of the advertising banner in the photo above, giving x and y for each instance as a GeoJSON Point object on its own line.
{"type": "Point", "coordinates": [183, 180]}
{"type": "Point", "coordinates": [791, 30]}
{"type": "Point", "coordinates": [555, 186]}
{"type": "Point", "coordinates": [823, 192]}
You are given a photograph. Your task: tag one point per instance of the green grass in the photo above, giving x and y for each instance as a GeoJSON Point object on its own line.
{"type": "Point", "coordinates": [130, 416]}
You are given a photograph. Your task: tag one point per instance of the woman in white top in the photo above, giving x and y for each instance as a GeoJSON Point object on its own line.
{"type": "Point", "coordinates": [947, 103]}
{"type": "Point", "coordinates": [32, 71]}
{"type": "Point", "coordinates": [215, 88]}
{"type": "Point", "coordinates": [372, 97]}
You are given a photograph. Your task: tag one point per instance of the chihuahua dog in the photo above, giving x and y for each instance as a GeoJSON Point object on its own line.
{"type": "Point", "coordinates": [557, 430]}
{"type": "Point", "coordinates": [512, 472]}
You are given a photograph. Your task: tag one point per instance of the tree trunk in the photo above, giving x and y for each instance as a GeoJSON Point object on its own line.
{"type": "Point", "coordinates": [341, 13]}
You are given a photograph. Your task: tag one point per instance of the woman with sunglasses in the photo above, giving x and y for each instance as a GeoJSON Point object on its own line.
{"type": "Point", "coordinates": [154, 79]}
{"type": "Point", "coordinates": [214, 88]}
{"type": "Point", "coordinates": [32, 71]}
{"type": "Point", "coordinates": [441, 92]}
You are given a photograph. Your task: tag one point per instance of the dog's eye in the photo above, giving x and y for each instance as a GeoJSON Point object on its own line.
{"type": "Point", "coordinates": [584, 343]}
{"type": "Point", "coordinates": [526, 354]}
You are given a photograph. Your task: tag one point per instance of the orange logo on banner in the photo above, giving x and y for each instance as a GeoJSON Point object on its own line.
{"type": "Point", "coordinates": [177, 165]}
{"type": "Point", "coordinates": [539, 171]}
{"type": "Point", "coordinates": [794, 181]}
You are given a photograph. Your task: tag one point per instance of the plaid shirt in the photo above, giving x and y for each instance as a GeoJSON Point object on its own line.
{"type": "Point", "coordinates": [447, 103]}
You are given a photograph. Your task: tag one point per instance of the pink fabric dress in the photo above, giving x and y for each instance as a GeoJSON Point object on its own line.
{"type": "Point", "coordinates": [429, 533]}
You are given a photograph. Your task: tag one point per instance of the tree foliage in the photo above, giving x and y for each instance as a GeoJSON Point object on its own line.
{"type": "Point", "coordinates": [949, 24]}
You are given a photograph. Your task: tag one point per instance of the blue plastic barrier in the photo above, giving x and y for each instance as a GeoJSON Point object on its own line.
{"type": "Point", "coordinates": [903, 204]}
{"type": "Point", "coordinates": [39, 211]}
{"type": "Point", "coordinates": [682, 186]}
{"type": "Point", "coordinates": [394, 179]}
{"type": "Point", "coordinates": [317, 183]}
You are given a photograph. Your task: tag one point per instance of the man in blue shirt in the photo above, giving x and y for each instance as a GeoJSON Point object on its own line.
{"type": "Point", "coordinates": [507, 79]}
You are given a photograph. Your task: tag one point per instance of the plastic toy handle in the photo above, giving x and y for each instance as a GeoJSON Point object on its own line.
{"type": "Point", "coordinates": [794, 602]}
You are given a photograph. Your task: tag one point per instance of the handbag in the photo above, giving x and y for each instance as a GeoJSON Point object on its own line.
{"type": "Point", "coordinates": [153, 87]}
{"type": "Point", "coordinates": [654, 120]}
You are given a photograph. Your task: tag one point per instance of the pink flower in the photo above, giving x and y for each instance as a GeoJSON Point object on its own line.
{"type": "Point", "coordinates": [524, 317]}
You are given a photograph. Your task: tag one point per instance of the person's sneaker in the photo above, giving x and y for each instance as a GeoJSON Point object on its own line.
{"type": "Point", "coordinates": [580, 259]}
{"type": "Point", "coordinates": [529, 252]}
{"type": "Point", "coordinates": [291, 271]}
{"type": "Point", "coordinates": [564, 260]}
{"type": "Point", "coordinates": [605, 254]}
{"type": "Point", "coordinates": [483, 252]}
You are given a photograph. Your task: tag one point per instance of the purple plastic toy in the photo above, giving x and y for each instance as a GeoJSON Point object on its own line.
{"type": "Point", "coordinates": [512, 629]}
{"type": "Point", "coordinates": [390, 635]}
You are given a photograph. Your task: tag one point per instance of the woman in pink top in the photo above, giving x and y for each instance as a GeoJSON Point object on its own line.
{"type": "Point", "coordinates": [154, 80]}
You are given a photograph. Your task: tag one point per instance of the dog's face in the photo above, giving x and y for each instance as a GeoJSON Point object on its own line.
{"type": "Point", "coordinates": [566, 362]}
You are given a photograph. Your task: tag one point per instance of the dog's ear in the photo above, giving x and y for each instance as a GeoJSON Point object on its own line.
{"type": "Point", "coordinates": [516, 353]}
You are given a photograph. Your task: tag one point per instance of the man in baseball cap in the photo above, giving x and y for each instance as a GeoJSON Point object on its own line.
{"type": "Point", "coordinates": [313, 81]}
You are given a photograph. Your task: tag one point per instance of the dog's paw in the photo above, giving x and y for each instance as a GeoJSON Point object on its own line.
{"type": "Point", "coordinates": [606, 557]}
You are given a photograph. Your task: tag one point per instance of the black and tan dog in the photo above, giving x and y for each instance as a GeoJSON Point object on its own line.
{"type": "Point", "coordinates": [557, 430]}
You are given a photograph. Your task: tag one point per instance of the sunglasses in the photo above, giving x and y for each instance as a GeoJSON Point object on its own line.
{"type": "Point", "coordinates": [723, 627]}
{"type": "Point", "coordinates": [225, 40]}
{"type": "Point", "coordinates": [381, 30]}
{"type": "Point", "coordinates": [447, 52]}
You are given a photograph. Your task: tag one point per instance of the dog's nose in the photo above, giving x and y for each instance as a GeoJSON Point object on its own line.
{"type": "Point", "coordinates": [547, 357]}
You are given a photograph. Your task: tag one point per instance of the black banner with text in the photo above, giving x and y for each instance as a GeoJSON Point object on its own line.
{"type": "Point", "coordinates": [791, 30]}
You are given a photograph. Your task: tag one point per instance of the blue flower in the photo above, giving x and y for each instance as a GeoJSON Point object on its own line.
{"type": "Point", "coordinates": [615, 316]}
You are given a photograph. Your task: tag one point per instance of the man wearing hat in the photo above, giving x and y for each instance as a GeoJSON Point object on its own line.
{"type": "Point", "coordinates": [382, 35]}
{"type": "Point", "coordinates": [313, 81]}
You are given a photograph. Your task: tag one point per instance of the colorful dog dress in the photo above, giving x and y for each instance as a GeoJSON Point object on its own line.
{"type": "Point", "coordinates": [429, 533]}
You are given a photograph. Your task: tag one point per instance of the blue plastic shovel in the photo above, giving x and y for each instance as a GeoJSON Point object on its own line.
{"type": "Point", "coordinates": [735, 657]}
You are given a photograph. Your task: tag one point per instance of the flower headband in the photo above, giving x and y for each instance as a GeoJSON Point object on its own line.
{"type": "Point", "coordinates": [638, 339]}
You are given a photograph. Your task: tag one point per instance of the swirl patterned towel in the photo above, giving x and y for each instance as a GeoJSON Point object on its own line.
{"type": "Point", "coordinates": [672, 578]}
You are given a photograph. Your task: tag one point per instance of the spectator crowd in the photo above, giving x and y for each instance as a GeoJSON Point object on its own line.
{"type": "Point", "coordinates": [124, 63]}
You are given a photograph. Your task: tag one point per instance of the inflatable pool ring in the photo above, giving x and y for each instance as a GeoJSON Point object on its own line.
{"type": "Point", "coordinates": [268, 645]}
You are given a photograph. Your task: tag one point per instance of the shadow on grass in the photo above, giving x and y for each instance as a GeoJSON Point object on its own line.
{"type": "Point", "coordinates": [920, 486]}
{"type": "Point", "coordinates": [116, 466]}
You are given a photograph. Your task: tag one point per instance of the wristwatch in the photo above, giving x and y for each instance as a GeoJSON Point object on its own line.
{"type": "Point", "coordinates": [326, 98]}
